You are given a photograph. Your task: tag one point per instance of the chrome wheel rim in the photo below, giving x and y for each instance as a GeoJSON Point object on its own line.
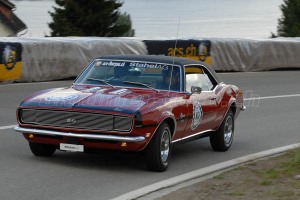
{"type": "Point", "coordinates": [165, 146]}
{"type": "Point", "coordinates": [228, 130]}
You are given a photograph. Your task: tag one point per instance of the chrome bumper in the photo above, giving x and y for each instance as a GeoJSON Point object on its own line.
{"type": "Point", "coordinates": [88, 136]}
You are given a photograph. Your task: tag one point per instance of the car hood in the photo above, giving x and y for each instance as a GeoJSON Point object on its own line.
{"type": "Point", "coordinates": [124, 100]}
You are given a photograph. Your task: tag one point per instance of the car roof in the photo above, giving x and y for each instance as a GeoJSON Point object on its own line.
{"type": "Point", "coordinates": [162, 59]}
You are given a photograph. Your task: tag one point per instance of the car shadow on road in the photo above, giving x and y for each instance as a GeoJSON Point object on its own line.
{"type": "Point", "coordinates": [122, 161]}
{"type": "Point", "coordinates": [105, 160]}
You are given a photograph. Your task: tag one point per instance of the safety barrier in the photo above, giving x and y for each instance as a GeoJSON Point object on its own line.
{"type": "Point", "coordinates": [44, 59]}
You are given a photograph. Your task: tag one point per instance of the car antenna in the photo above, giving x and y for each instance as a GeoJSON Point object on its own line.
{"type": "Point", "coordinates": [174, 54]}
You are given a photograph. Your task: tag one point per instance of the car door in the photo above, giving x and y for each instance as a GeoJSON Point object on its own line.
{"type": "Point", "coordinates": [202, 101]}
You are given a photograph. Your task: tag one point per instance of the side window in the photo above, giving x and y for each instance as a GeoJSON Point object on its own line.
{"type": "Point", "coordinates": [197, 76]}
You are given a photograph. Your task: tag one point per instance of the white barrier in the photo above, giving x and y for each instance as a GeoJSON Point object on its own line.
{"type": "Point", "coordinates": [255, 54]}
{"type": "Point", "coordinates": [44, 59]}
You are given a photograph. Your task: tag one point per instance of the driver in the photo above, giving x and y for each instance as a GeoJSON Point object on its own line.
{"type": "Point", "coordinates": [120, 72]}
{"type": "Point", "coordinates": [171, 79]}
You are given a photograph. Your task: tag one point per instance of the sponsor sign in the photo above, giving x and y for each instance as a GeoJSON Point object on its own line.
{"type": "Point", "coordinates": [10, 61]}
{"type": "Point", "coordinates": [192, 49]}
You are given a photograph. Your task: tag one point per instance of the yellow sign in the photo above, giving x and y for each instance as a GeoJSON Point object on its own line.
{"type": "Point", "coordinates": [10, 61]}
{"type": "Point", "coordinates": [191, 52]}
{"type": "Point", "coordinates": [192, 49]}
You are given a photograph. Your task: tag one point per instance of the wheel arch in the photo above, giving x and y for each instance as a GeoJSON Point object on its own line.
{"type": "Point", "coordinates": [230, 106]}
{"type": "Point", "coordinates": [172, 124]}
{"type": "Point", "coordinates": [233, 107]}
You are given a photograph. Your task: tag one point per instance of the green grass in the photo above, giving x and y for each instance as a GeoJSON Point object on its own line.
{"type": "Point", "coordinates": [237, 193]}
{"type": "Point", "coordinates": [291, 167]}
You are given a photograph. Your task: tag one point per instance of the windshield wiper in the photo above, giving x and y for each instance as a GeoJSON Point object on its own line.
{"type": "Point", "coordinates": [100, 80]}
{"type": "Point", "coordinates": [142, 84]}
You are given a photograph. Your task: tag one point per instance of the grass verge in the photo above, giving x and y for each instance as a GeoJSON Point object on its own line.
{"type": "Point", "coordinates": [273, 178]}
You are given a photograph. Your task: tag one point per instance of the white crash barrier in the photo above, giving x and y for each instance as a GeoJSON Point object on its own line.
{"type": "Point", "coordinates": [44, 59]}
{"type": "Point", "coordinates": [232, 54]}
{"type": "Point", "coordinates": [255, 54]}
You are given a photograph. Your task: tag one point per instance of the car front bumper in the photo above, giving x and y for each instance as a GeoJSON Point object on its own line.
{"type": "Point", "coordinates": [76, 135]}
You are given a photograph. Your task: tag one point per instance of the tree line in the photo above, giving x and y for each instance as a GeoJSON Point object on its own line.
{"type": "Point", "coordinates": [103, 18]}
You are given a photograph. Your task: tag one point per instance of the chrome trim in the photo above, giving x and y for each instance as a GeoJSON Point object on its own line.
{"type": "Point", "coordinates": [88, 136]}
{"type": "Point", "coordinates": [210, 130]}
{"type": "Point", "coordinates": [243, 108]}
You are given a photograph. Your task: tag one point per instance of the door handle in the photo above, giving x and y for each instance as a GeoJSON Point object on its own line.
{"type": "Point", "coordinates": [213, 98]}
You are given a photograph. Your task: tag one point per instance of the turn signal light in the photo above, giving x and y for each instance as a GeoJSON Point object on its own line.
{"type": "Point", "coordinates": [123, 144]}
{"type": "Point", "coordinates": [148, 135]}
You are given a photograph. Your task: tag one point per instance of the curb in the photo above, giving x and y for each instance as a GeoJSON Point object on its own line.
{"type": "Point", "coordinates": [176, 181]}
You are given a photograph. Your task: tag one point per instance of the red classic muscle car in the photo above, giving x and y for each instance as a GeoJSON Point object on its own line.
{"type": "Point", "coordinates": [133, 103]}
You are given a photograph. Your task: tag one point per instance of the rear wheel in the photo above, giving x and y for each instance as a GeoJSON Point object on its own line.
{"type": "Point", "coordinates": [45, 150]}
{"type": "Point", "coordinates": [158, 151]}
{"type": "Point", "coordinates": [221, 140]}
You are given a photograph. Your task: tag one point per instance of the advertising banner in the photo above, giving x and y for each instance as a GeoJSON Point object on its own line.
{"type": "Point", "coordinates": [192, 49]}
{"type": "Point", "coordinates": [10, 61]}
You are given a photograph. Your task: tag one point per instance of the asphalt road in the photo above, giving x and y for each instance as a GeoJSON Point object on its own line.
{"type": "Point", "coordinates": [267, 123]}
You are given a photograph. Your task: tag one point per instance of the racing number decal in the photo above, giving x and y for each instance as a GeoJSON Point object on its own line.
{"type": "Point", "coordinates": [197, 115]}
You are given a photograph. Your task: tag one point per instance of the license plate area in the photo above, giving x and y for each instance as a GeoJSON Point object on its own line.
{"type": "Point", "coordinates": [71, 147]}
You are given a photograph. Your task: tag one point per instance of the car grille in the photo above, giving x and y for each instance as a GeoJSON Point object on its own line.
{"type": "Point", "coordinates": [78, 120]}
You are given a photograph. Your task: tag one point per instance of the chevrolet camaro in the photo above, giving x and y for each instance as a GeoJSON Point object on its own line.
{"type": "Point", "coordinates": [135, 103]}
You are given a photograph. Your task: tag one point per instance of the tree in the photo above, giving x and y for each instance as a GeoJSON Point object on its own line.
{"type": "Point", "coordinates": [289, 23]}
{"type": "Point", "coordinates": [90, 18]}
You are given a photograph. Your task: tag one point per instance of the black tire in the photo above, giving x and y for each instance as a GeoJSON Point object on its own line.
{"type": "Point", "coordinates": [158, 151]}
{"type": "Point", "coordinates": [44, 150]}
{"type": "Point", "coordinates": [221, 140]}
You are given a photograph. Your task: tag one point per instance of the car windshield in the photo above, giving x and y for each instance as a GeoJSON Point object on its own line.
{"type": "Point", "coordinates": [157, 76]}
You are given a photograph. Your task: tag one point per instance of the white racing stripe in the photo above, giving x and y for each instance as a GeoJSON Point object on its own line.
{"type": "Point", "coordinates": [7, 127]}
{"type": "Point", "coordinates": [272, 97]}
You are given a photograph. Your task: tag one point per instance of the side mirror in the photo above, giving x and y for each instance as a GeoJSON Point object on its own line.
{"type": "Point", "coordinates": [195, 89]}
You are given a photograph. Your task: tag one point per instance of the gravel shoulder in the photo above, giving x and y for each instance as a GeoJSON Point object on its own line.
{"type": "Point", "coordinates": [269, 179]}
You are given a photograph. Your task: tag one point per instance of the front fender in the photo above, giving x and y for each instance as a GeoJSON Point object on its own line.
{"type": "Point", "coordinates": [170, 119]}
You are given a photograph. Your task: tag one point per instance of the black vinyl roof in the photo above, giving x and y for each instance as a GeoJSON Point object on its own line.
{"type": "Point", "coordinates": [161, 59]}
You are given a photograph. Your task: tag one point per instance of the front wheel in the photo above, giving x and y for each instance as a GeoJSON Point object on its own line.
{"type": "Point", "coordinates": [44, 150]}
{"type": "Point", "coordinates": [158, 151]}
{"type": "Point", "coordinates": [221, 140]}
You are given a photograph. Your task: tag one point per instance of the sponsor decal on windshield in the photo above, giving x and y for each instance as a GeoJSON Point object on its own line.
{"type": "Point", "coordinates": [113, 63]}
{"type": "Point", "coordinates": [133, 64]}
{"type": "Point", "coordinates": [148, 65]}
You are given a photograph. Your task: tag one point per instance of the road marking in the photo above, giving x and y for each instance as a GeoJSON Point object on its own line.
{"type": "Point", "coordinates": [272, 97]}
{"type": "Point", "coordinates": [7, 127]}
